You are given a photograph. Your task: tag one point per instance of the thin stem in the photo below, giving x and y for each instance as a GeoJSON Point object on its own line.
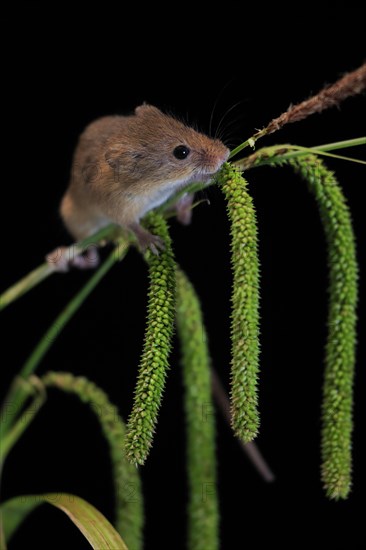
{"type": "Point", "coordinates": [19, 427]}
{"type": "Point", "coordinates": [250, 448]}
{"type": "Point", "coordinates": [21, 287]}
{"type": "Point", "coordinates": [326, 147]}
{"type": "Point", "coordinates": [282, 152]}
{"type": "Point", "coordinates": [341, 144]}
{"type": "Point", "coordinates": [44, 270]}
{"type": "Point", "coordinates": [250, 142]}
{"type": "Point", "coordinates": [17, 395]}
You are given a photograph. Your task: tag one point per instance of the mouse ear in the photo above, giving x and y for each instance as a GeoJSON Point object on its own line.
{"type": "Point", "coordinates": [146, 109]}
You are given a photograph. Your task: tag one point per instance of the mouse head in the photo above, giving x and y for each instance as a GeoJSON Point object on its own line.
{"type": "Point", "coordinates": [161, 149]}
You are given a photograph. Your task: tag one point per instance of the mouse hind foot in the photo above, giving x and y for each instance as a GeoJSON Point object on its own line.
{"type": "Point", "coordinates": [63, 258]}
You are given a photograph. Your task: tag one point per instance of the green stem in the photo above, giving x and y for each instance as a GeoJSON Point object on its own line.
{"type": "Point", "coordinates": [19, 427]}
{"type": "Point", "coordinates": [282, 152]}
{"type": "Point", "coordinates": [17, 395]}
{"type": "Point", "coordinates": [26, 283]}
{"type": "Point", "coordinates": [250, 142]}
{"type": "Point", "coordinates": [341, 340]}
{"type": "Point", "coordinates": [44, 270]}
{"type": "Point", "coordinates": [156, 349]}
{"type": "Point", "coordinates": [341, 144]}
{"type": "Point", "coordinates": [203, 508]}
{"type": "Point", "coordinates": [245, 303]}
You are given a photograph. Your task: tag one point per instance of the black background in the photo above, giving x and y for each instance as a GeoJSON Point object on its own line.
{"type": "Point", "coordinates": [61, 69]}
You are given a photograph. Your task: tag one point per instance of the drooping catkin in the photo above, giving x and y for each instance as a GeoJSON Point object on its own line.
{"type": "Point", "coordinates": [157, 344]}
{"type": "Point", "coordinates": [203, 507]}
{"type": "Point", "coordinates": [341, 340]}
{"type": "Point", "coordinates": [245, 303]}
{"type": "Point", "coordinates": [129, 518]}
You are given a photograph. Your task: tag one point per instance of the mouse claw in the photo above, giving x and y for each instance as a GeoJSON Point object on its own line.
{"type": "Point", "coordinates": [156, 244]}
{"type": "Point", "coordinates": [147, 240]}
{"type": "Point", "coordinates": [153, 242]}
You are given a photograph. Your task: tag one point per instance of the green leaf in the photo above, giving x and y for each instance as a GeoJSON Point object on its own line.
{"type": "Point", "coordinates": [92, 524]}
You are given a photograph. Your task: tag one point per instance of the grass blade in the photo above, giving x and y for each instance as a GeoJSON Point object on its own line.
{"type": "Point", "coordinates": [100, 534]}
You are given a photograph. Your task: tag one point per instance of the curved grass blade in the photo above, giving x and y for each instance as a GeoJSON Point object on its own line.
{"type": "Point", "coordinates": [100, 534]}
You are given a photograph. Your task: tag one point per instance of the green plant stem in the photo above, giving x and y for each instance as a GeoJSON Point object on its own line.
{"type": "Point", "coordinates": [129, 518]}
{"type": "Point", "coordinates": [245, 303]}
{"type": "Point", "coordinates": [250, 142]}
{"type": "Point", "coordinates": [157, 344]}
{"type": "Point", "coordinates": [341, 144]}
{"type": "Point", "coordinates": [44, 270]}
{"type": "Point", "coordinates": [24, 285]}
{"type": "Point", "coordinates": [18, 428]}
{"type": "Point", "coordinates": [341, 340]}
{"type": "Point", "coordinates": [203, 507]}
{"type": "Point", "coordinates": [282, 152]}
{"type": "Point", "coordinates": [17, 395]}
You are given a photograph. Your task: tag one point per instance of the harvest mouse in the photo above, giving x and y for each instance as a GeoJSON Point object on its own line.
{"type": "Point", "coordinates": [124, 166]}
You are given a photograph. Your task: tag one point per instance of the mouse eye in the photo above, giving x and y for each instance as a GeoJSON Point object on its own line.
{"type": "Point", "coordinates": [181, 152]}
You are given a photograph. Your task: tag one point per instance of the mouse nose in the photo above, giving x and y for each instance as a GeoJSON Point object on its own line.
{"type": "Point", "coordinates": [212, 158]}
{"type": "Point", "coordinates": [225, 155]}
{"type": "Point", "coordinates": [218, 160]}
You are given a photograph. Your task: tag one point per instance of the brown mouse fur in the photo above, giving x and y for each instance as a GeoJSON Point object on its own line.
{"type": "Point", "coordinates": [125, 166]}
